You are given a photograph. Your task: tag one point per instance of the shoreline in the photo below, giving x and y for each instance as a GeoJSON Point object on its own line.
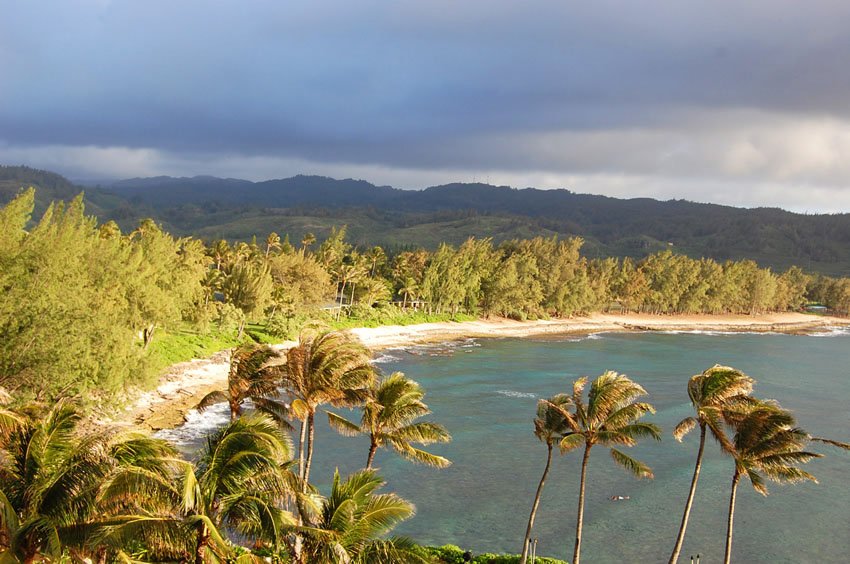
{"type": "Point", "coordinates": [183, 384]}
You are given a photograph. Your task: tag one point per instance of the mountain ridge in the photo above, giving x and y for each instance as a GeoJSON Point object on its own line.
{"type": "Point", "coordinates": [212, 207]}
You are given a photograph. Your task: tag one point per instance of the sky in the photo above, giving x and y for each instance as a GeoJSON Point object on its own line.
{"type": "Point", "coordinates": [741, 103]}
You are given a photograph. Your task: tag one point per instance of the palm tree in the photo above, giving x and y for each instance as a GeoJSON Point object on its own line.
{"type": "Point", "coordinates": [324, 368]}
{"type": "Point", "coordinates": [609, 417]}
{"type": "Point", "coordinates": [272, 243]}
{"type": "Point", "coordinates": [140, 485]}
{"type": "Point", "coordinates": [9, 420]}
{"type": "Point", "coordinates": [251, 377]}
{"type": "Point", "coordinates": [48, 480]}
{"type": "Point", "coordinates": [766, 445]}
{"type": "Point", "coordinates": [220, 252]}
{"type": "Point", "coordinates": [408, 291]}
{"type": "Point", "coordinates": [549, 426]}
{"type": "Point", "coordinates": [713, 394]}
{"type": "Point", "coordinates": [54, 494]}
{"type": "Point", "coordinates": [389, 418]}
{"type": "Point", "coordinates": [353, 520]}
{"type": "Point", "coordinates": [239, 484]}
{"type": "Point", "coordinates": [306, 241]}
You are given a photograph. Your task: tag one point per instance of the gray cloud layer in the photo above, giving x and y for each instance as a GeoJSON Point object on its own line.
{"type": "Point", "coordinates": [719, 101]}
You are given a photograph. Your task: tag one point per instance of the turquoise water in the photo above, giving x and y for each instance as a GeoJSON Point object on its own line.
{"type": "Point", "coordinates": [485, 393]}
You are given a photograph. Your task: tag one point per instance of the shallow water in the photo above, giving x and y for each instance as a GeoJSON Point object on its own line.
{"type": "Point", "coordinates": [485, 392]}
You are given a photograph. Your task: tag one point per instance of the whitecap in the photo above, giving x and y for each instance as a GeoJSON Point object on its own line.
{"type": "Point", "coordinates": [515, 394]}
{"type": "Point", "coordinates": [385, 358]}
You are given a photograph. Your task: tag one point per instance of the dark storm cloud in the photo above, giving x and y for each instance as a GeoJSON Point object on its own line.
{"type": "Point", "coordinates": [519, 87]}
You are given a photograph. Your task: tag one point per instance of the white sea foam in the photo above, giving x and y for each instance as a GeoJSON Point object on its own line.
{"type": "Point", "coordinates": [198, 425]}
{"type": "Point", "coordinates": [515, 394]}
{"type": "Point", "coordinates": [385, 358]}
{"type": "Point", "coordinates": [715, 333]}
{"type": "Point", "coordinates": [840, 331]}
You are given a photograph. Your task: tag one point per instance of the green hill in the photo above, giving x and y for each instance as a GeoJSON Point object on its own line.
{"type": "Point", "coordinates": [211, 208]}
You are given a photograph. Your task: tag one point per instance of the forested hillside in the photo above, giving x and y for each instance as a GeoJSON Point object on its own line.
{"type": "Point", "coordinates": [213, 208]}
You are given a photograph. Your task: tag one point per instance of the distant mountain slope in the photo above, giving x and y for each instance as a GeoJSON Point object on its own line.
{"type": "Point", "coordinates": [50, 187]}
{"type": "Point", "coordinates": [622, 227]}
{"type": "Point", "coordinates": [212, 207]}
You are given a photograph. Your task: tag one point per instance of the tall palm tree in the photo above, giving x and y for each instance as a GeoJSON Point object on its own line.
{"type": "Point", "coordinates": [713, 394]}
{"type": "Point", "coordinates": [766, 445]}
{"type": "Point", "coordinates": [550, 426]}
{"type": "Point", "coordinates": [353, 520]}
{"type": "Point", "coordinates": [389, 419]}
{"type": "Point", "coordinates": [251, 376]}
{"type": "Point", "coordinates": [609, 417]}
{"type": "Point", "coordinates": [324, 368]}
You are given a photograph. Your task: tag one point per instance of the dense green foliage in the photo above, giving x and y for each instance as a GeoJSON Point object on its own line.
{"type": "Point", "coordinates": [75, 296]}
{"type": "Point", "coordinates": [83, 304]}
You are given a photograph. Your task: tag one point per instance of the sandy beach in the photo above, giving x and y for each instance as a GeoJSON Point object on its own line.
{"type": "Point", "coordinates": [182, 385]}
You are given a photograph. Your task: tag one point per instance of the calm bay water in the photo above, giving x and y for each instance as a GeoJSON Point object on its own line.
{"type": "Point", "coordinates": [485, 393]}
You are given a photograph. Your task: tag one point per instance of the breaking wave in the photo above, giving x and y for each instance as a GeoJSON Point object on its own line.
{"type": "Point", "coordinates": [515, 394]}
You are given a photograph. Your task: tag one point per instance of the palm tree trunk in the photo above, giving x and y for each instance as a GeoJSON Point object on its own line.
{"type": "Point", "coordinates": [203, 540]}
{"type": "Point", "coordinates": [681, 538]}
{"type": "Point", "coordinates": [735, 480]}
{"type": "Point", "coordinates": [311, 429]}
{"type": "Point", "coordinates": [373, 448]}
{"type": "Point", "coordinates": [580, 518]}
{"type": "Point", "coordinates": [235, 409]}
{"type": "Point", "coordinates": [341, 299]}
{"type": "Point", "coordinates": [534, 506]}
{"type": "Point", "coordinates": [301, 439]}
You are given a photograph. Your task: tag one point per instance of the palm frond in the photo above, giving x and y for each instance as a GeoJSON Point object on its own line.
{"type": "Point", "coordinates": [684, 427]}
{"type": "Point", "coordinates": [343, 426]}
{"type": "Point", "coordinates": [571, 441]}
{"type": "Point", "coordinates": [639, 469]}
{"type": "Point", "coordinates": [212, 398]}
{"type": "Point", "coordinates": [839, 444]}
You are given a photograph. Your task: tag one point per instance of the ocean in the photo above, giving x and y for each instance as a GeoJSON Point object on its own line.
{"type": "Point", "coordinates": [485, 392]}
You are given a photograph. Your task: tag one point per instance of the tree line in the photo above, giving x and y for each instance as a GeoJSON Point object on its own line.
{"type": "Point", "coordinates": [82, 302]}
